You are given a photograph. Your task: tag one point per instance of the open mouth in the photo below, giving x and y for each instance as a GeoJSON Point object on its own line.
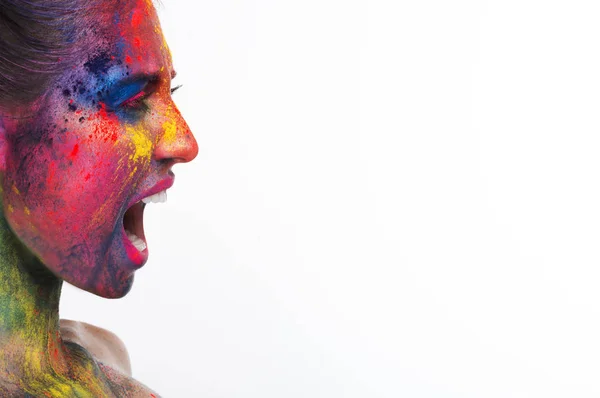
{"type": "Point", "coordinates": [133, 220]}
{"type": "Point", "coordinates": [133, 223]}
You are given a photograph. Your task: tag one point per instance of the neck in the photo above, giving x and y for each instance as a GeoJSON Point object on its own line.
{"type": "Point", "coordinates": [30, 342]}
{"type": "Point", "coordinates": [29, 298]}
{"type": "Point", "coordinates": [33, 356]}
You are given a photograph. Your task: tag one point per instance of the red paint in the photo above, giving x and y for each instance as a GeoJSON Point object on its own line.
{"type": "Point", "coordinates": [136, 18]}
{"type": "Point", "coordinates": [102, 112]}
{"type": "Point", "coordinates": [74, 151]}
{"type": "Point", "coordinates": [74, 224]}
{"type": "Point", "coordinates": [108, 128]}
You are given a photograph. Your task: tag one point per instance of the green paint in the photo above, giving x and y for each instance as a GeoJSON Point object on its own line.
{"type": "Point", "coordinates": [33, 358]}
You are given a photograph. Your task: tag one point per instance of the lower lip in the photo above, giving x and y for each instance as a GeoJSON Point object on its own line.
{"type": "Point", "coordinates": [138, 258]}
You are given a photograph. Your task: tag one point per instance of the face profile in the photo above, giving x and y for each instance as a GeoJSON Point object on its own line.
{"type": "Point", "coordinates": [89, 134]}
{"type": "Point", "coordinates": [103, 138]}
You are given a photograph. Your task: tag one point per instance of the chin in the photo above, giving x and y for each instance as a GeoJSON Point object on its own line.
{"type": "Point", "coordinates": [113, 293]}
{"type": "Point", "coordinates": [114, 287]}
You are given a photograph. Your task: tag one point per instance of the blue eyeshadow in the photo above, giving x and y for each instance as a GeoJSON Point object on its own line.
{"type": "Point", "coordinates": [122, 92]}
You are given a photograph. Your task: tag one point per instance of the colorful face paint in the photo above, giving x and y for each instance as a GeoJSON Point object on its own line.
{"type": "Point", "coordinates": [76, 167]}
{"type": "Point", "coordinates": [106, 136]}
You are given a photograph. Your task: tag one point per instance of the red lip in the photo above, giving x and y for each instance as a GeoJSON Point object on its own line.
{"type": "Point", "coordinates": [159, 187]}
{"type": "Point", "coordinates": [138, 258]}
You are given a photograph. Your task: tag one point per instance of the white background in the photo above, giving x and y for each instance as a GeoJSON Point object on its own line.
{"type": "Point", "coordinates": [392, 199]}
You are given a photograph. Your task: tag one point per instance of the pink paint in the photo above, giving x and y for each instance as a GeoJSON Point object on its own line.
{"type": "Point", "coordinates": [80, 183]}
{"type": "Point", "coordinates": [51, 172]}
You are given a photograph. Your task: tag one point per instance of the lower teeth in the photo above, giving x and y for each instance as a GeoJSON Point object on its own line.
{"type": "Point", "coordinates": [136, 241]}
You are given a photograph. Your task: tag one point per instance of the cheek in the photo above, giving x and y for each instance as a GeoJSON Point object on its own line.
{"type": "Point", "coordinates": [72, 192]}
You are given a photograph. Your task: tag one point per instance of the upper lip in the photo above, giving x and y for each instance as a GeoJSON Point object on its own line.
{"type": "Point", "coordinates": [160, 186]}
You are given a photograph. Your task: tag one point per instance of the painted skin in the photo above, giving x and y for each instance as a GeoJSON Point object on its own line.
{"type": "Point", "coordinates": [104, 136]}
{"type": "Point", "coordinates": [109, 132]}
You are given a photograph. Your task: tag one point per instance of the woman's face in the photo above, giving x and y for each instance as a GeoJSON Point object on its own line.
{"type": "Point", "coordinates": [105, 137]}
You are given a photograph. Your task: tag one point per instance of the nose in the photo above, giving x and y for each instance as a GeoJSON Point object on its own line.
{"type": "Point", "coordinates": [176, 143]}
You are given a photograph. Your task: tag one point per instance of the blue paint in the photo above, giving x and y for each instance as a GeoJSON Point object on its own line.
{"type": "Point", "coordinates": [100, 64]}
{"type": "Point", "coordinates": [122, 91]}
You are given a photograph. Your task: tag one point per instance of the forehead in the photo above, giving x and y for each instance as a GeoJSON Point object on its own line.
{"type": "Point", "coordinates": [128, 39]}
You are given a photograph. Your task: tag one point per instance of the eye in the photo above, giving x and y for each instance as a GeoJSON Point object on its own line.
{"type": "Point", "coordinates": [137, 102]}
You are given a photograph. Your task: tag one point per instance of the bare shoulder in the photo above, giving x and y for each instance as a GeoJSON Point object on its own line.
{"type": "Point", "coordinates": [111, 354]}
{"type": "Point", "coordinates": [104, 345]}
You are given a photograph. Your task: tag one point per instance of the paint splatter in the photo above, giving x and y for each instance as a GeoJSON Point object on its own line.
{"type": "Point", "coordinates": [142, 145]}
{"type": "Point", "coordinates": [99, 64]}
{"type": "Point", "coordinates": [76, 172]}
{"type": "Point", "coordinates": [136, 18]}
{"type": "Point", "coordinates": [74, 151]}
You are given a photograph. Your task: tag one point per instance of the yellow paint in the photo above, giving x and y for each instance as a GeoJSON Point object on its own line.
{"type": "Point", "coordinates": [34, 362]}
{"type": "Point", "coordinates": [141, 143]}
{"type": "Point", "coordinates": [164, 45]}
{"type": "Point", "coordinates": [26, 209]}
{"type": "Point", "coordinates": [60, 390]}
{"type": "Point", "coordinates": [15, 189]}
{"type": "Point", "coordinates": [33, 227]}
{"type": "Point", "coordinates": [99, 216]}
{"type": "Point", "coordinates": [169, 131]}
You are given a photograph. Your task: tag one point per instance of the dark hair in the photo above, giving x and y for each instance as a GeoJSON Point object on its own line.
{"type": "Point", "coordinates": [37, 42]}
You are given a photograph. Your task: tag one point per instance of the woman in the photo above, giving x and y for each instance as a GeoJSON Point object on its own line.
{"type": "Point", "coordinates": [88, 136]}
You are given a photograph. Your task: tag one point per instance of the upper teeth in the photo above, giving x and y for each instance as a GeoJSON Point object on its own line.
{"type": "Point", "coordinates": [160, 197]}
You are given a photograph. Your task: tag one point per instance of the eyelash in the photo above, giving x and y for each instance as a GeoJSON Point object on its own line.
{"type": "Point", "coordinates": [138, 101]}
